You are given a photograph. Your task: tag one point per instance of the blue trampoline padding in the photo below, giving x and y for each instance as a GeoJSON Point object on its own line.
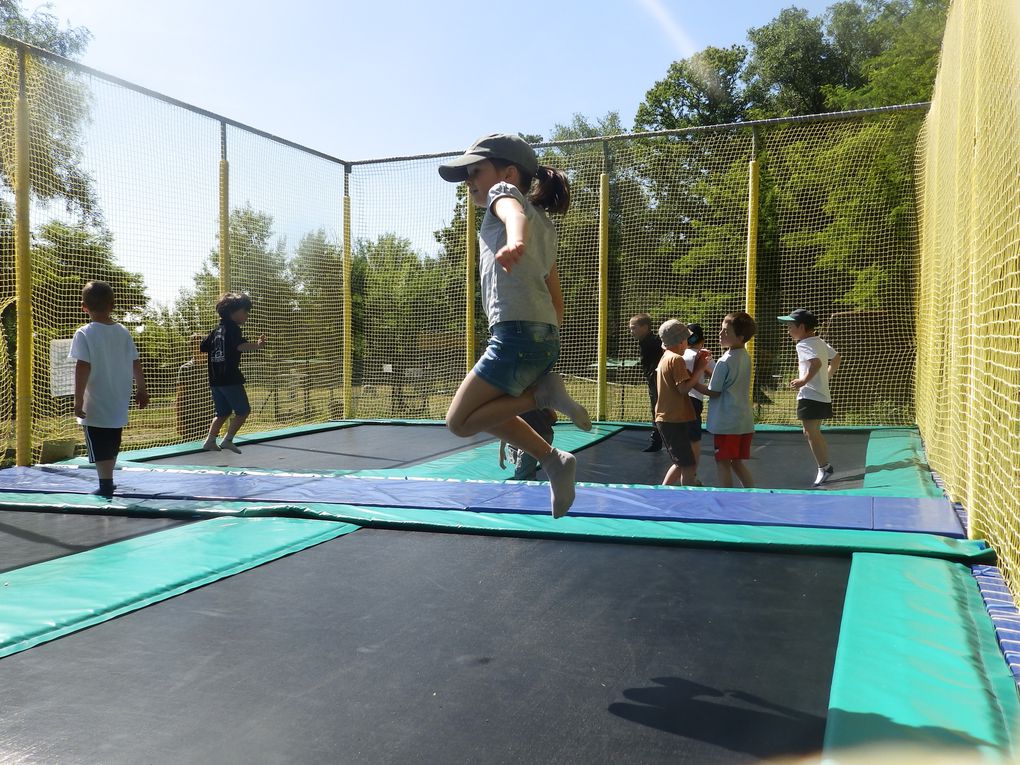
{"type": "Point", "coordinates": [47, 600]}
{"type": "Point", "coordinates": [819, 509]}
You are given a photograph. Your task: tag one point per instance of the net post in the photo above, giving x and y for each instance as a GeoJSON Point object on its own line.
{"type": "Point", "coordinates": [348, 303]}
{"type": "Point", "coordinates": [751, 280]}
{"type": "Point", "coordinates": [224, 212]}
{"type": "Point", "coordinates": [23, 271]}
{"type": "Point", "coordinates": [470, 261]}
{"type": "Point", "coordinates": [603, 338]}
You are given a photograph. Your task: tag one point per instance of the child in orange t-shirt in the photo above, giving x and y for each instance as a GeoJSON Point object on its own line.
{"type": "Point", "coordinates": [674, 413]}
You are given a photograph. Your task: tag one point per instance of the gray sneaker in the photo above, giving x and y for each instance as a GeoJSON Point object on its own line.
{"type": "Point", "coordinates": [824, 474]}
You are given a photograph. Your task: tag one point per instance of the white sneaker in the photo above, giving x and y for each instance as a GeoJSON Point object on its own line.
{"type": "Point", "coordinates": [824, 474]}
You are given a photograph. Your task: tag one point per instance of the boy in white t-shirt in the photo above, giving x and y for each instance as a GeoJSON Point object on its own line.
{"type": "Point", "coordinates": [696, 350]}
{"type": "Point", "coordinates": [818, 361]}
{"type": "Point", "coordinates": [106, 364]}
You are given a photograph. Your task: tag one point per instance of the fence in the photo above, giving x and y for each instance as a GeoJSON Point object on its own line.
{"type": "Point", "coordinates": [968, 320]}
{"type": "Point", "coordinates": [360, 271]}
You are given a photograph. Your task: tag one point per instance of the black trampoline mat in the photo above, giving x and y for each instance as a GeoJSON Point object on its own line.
{"type": "Point", "coordinates": [779, 460]}
{"type": "Point", "coordinates": [361, 447]}
{"type": "Point", "coordinates": [27, 538]}
{"type": "Point", "coordinates": [393, 647]}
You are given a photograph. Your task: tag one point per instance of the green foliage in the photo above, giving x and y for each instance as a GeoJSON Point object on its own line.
{"type": "Point", "coordinates": [790, 62]}
{"type": "Point", "coordinates": [58, 110]}
{"type": "Point", "coordinates": [704, 89]}
{"type": "Point", "coordinates": [903, 70]}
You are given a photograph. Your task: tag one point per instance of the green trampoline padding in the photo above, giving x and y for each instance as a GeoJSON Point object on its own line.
{"type": "Point", "coordinates": [894, 466]}
{"type": "Point", "coordinates": [918, 661]}
{"type": "Point", "coordinates": [56, 597]}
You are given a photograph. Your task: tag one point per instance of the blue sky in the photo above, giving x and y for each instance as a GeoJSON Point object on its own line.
{"type": "Point", "coordinates": [380, 78]}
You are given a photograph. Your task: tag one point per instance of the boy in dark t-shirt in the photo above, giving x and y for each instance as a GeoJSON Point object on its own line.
{"type": "Point", "coordinates": [650, 345]}
{"type": "Point", "coordinates": [224, 346]}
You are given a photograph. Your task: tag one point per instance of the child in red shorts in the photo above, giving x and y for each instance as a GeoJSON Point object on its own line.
{"type": "Point", "coordinates": [730, 419]}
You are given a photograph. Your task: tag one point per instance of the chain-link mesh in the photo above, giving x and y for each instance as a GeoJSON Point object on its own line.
{"type": "Point", "coordinates": [968, 319]}
{"type": "Point", "coordinates": [408, 251]}
{"type": "Point", "coordinates": [839, 237]}
{"type": "Point", "coordinates": [126, 188]}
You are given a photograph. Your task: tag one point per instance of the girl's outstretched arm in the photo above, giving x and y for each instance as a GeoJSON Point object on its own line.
{"type": "Point", "coordinates": [510, 211]}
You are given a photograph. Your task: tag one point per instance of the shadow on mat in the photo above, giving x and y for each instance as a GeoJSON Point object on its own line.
{"type": "Point", "coordinates": [729, 719]}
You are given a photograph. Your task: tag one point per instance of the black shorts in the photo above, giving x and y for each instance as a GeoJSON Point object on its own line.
{"type": "Point", "coordinates": [102, 443]}
{"type": "Point", "coordinates": [699, 407]}
{"type": "Point", "coordinates": [809, 409]}
{"type": "Point", "coordinates": [677, 438]}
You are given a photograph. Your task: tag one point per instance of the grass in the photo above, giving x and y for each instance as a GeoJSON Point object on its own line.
{"type": "Point", "coordinates": [156, 424]}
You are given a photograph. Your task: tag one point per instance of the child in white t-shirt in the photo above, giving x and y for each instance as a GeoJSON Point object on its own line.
{"type": "Point", "coordinates": [696, 350]}
{"type": "Point", "coordinates": [817, 361]}
{"type": "Point", "coordinates": [106, 364]}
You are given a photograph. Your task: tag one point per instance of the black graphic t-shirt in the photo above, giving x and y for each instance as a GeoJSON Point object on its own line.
{"type": "Point", "coordinates": [224, 357]}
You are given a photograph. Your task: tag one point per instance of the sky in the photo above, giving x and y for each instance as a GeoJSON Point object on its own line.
{"type": "Point", "coordinates": [365, 80]}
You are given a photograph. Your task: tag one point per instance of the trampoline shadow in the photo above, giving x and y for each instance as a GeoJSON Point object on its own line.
{"type": "Point", "coordinates": [31, 536]}
{"type": "Point", "coordinates": [730, 719]}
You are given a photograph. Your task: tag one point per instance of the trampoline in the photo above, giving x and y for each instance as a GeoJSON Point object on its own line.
{"type": "Point", "coordinates": [365, 592]}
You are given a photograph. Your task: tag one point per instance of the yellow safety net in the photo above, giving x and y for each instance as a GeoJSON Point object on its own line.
{"type": "Point", "coordinates": [968, 311]}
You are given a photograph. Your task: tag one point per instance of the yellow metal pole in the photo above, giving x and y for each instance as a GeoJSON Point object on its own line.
{"type": "Point", "coordinates": [348, 307]}
{"type": "Point", "coordinates": [23, 272]}
{"type": "Point", "coordinates": [471, 261]}
{"type": "Point", "coordinates": [753, 182]}
{"type": "Point", "coordinates": [224, 212]}
{"type": "Point", "coordinates": [603, 339]}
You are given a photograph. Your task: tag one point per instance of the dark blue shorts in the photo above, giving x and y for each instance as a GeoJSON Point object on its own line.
{"type": "Point", "coordinates": [518, 353]}
{"type": "Point", "coordinates": [230, 398]}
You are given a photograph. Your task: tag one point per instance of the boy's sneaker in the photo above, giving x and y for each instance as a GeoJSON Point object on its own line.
{"type": "Point", "coordinates": [824, 474]}
{"type": "Point", "coordinates": [551, 393]}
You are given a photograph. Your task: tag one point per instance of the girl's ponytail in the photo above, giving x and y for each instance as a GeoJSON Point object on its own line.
{"type": "Point", "coordinates": [550, 190]}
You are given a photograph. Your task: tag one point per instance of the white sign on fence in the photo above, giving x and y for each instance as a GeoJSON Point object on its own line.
{"type": "Point", "coordinates": [61, 369]}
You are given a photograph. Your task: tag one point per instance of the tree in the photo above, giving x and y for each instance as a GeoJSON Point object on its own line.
{"type": "Point", "coordinates": [903, 66]}
{"type": "Point", "coordinates": [704, 89]}
{"type": "Point", "coordinates": [790, 63]}
{"type": "Point", "coordinates": [58, 108]}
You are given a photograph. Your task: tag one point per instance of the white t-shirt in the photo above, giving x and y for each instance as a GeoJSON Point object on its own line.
{"type": "Point", "coordinates": [817, 388]}
{"type": "Point", "coordinates": [111, 352]}
{"type": "Point", "coordinates": [690, 356]}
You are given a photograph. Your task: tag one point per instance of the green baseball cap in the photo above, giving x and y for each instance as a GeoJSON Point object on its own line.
{"type": "Point", "coordinates": [510, 148]}
{"type": "Point", "coordinates": [800, 316]}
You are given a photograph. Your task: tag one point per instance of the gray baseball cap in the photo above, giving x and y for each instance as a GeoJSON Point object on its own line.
{"type": "Point", "coordinates": [673, 332]}
{"type": "Point", "coordinates": [511, 148]}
